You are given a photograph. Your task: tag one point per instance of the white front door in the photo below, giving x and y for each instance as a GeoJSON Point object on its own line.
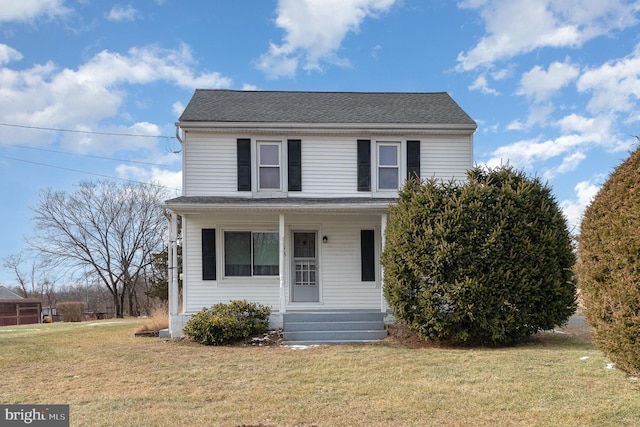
{"type": "Point", "coordinates": [305, 267]}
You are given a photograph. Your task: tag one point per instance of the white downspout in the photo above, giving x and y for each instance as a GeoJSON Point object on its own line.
{"type": "Point", "coordinates": [383, 237]}
{"type": "Point", "coordinates": [283, 300]}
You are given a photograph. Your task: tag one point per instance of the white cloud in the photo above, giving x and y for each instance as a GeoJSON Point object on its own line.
{"type": "Point", "coordinates": [541, 85]}
{"type": "Point", "coordinates": [47, 96]}
{"type": "Point", "coordinates": [314, 31]}
{"type": "Point", "coordinates": [574, 209]}
{"type": "Point", "coordinates": [119, 13]}
{"type": "Point", "coordinates": [515, 27]}
{"type": "Point", "coordinates": [177, 108]}
{"type": "Point", "coordinates": [539, 114]}
{"type": "Point", "coordinates": [569, 164]}
{"type": "Point", "coordinates": [615, 85]}
{"type": "Point", "coordinates": [26, 10]}
{"type": "Point", "coordinates": [8, 54]}
{"type": "Point", "coordinates": [579, 135]}
{"type": "Point", "coordinates": [516, 125]}
{"type": "Point", "coordinates": [481, 84]}
{"type": "Point", "coordinates": [170, 179]}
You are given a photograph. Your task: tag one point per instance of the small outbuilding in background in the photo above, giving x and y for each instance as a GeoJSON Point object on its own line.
{"type": "Point", "coordinates": [15, 310]}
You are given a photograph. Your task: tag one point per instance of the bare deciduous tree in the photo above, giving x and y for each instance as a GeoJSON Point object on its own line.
{"type": "Point", "coordinates": [108, 228]}
{"type": "Point", "coordinates": [36, 281]}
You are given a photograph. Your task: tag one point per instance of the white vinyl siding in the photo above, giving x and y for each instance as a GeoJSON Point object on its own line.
{"type": "Point", "coordinates": [329, 167]}
{"type": "Point", "coordinates": [209, 165]}
{"type": "Point", "coordinates": [329, 164]}
{"type": "Point", "coordinates": [446, 157]}
{"type": "Point", "coordinates": [198, 293]}
{"type": "Point", "coordinates": [340, 280]}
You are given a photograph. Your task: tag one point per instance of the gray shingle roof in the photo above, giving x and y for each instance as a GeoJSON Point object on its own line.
{"type": "Point", "coordinates": [7, 294]}
{"type": "Point", "coordinates": [324, 107]}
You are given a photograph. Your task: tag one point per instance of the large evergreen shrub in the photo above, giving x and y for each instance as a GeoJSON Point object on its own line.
{"type": "Point", "coordinates": [609, 265]}
{"type": "Point", "coordinates": [226, 323]}
{"type": "Point", "coordinates": [485, 262]}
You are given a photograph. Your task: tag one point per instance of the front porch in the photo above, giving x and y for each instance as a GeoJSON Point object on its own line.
{"type": "Point", "coordinates": [298, 260]}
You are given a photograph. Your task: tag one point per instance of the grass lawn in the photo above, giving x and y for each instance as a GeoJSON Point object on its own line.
{"type": "Point", "coordinates": [111, 378]}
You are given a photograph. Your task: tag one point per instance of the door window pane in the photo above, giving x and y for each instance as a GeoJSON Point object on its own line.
{"type": "Point", "coordinates": [304, 245]}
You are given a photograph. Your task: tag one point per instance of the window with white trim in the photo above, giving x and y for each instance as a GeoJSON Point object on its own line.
{"type": "Point", "coordinates": [269, 159]}
{"type": "Point", "coordinates": [388, 164]}
{"type": "Point", "coordinates": [249, 253]}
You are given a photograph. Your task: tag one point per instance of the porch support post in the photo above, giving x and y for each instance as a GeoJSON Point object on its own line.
{"type": "Point", "coordinates": [282, 267]}
{"type": "Point", "coordinates": [383, 237]}
{"type": "Point", "coordinates": [172, 261]}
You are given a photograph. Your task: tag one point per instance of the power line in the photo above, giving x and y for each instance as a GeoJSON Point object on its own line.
{"type": "Point", "coordinates": [86, 131]}
{"type": "Point", "coordinates": [81, 155]}
{"type": "Point", "coordinates": [85, 172]}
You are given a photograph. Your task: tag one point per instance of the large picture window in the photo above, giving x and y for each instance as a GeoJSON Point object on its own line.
{"type": "Point", "coordinates": [251, 253]}
{"type": "Point", "coordinates": [388, 166]}
{"type": "Point", "coordinates": [269, 166]}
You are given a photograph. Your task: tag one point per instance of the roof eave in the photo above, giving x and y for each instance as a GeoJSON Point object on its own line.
{"type": "Point", "coordinates": [301, 128]}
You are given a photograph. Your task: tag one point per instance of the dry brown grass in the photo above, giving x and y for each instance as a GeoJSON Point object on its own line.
{"type": "Point", "coordinates": [157, 320]}
{"type": "Point", "coordinates": [109, 377]}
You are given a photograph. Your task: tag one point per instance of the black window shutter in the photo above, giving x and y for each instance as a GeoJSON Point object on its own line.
{"type": "Point", "coordinates": [208, 254]}
{"type": "Point", "coordinates": [294, 155]}
{"type": "Point", "coordinates": [364, 165]}
{"type": "Point", "coordinates": [244, 164]}
{"type": "Point", "coordinates": [367, 254]}
{"type": "Point", "coordinates": [413, 159]}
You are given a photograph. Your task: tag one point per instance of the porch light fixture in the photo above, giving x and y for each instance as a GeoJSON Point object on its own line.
{"type": "Point", "coordinates": [325, 239]}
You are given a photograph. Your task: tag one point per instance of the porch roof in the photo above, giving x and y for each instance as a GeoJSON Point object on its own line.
{"type": "Point", "coordinates": [191, 204]}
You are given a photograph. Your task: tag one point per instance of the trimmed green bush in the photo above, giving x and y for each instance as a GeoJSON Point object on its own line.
{"type": "Point", "coordinates": [227, 323]}
{"type": "Point", "coordinates": [483, 262]}
{"type": "Point", "coordinates": [71, 311]}
{"type": "Point", "coordinates": [609, 266]}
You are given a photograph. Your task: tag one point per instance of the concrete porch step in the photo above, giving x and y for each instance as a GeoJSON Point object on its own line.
{"type": "Point", "coordinates": [358, 325]}
{"type": "Point", "coordinates": [332, 327]}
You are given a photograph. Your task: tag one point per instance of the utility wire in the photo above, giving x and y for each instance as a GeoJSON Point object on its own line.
{"type": "Point", "coordinates": [87, 131]}
{"type": "Point", "coordinates": [80, 155]}
{"type": "Point", "coordinates": [85, 172]}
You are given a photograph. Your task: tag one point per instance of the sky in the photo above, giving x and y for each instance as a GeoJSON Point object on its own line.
{"type": "Point", "coordinates": [92, 89]}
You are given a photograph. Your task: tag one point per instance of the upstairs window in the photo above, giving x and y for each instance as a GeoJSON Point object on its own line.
{"type": "Point", "coordinates": [269, 166]}
{"type": "Point", "coordinates": [388, 166]}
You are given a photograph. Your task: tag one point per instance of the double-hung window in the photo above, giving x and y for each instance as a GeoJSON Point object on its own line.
{"type": "Point", "coordinates": [249, 253]}
{"type": "Point", "coordinates": [269, 166]}
{"type": "Point", "coordinates": [388, 165]}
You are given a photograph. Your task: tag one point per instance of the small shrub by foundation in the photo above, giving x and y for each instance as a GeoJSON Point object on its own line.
{"type": "Point", "coordinates": [227, 323]}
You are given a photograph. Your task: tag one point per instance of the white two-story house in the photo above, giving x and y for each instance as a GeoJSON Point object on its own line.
{"type": "Point", "coordinates": [286, 195]}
